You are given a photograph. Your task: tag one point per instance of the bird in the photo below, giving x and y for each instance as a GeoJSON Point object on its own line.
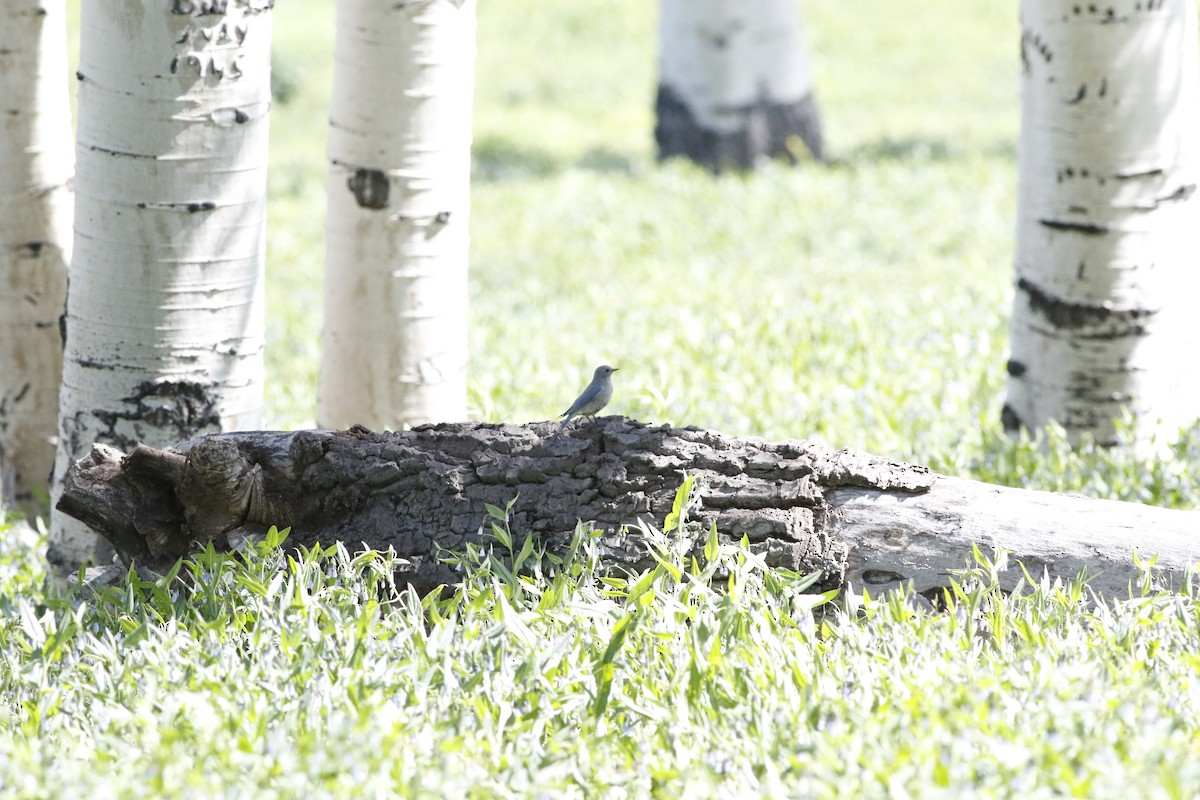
{"type": "Point", "coordinates": [594, 397]}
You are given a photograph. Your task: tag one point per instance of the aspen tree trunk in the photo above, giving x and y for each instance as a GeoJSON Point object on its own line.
{"type": "Point", "coordinates": [36, 162]}
{"type": "Point", "coordinates": [1108, 219]}
{"type": "Point", "coordinates": [394, 348]}
{"type": "Point", "coordinates": [165, 313]}
{"type": "Point", "coordinates": [734, 83]}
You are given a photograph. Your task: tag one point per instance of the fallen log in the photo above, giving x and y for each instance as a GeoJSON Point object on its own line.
{"type": "Point", "coordinates": [852, 516]}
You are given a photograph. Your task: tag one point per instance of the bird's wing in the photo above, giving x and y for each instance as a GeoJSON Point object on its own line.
{"type": "Point", "coordinates": [588, 395]}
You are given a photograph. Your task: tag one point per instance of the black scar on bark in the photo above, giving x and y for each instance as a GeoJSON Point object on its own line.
{"type": "Point", "coordinates": [370, 188]}
{"type": "Point", "coordinates": [199, 9]}
{"type": "Point", "coordinates": [1085, 228]}
{"type": "Point", "coordinates": [180, 410]}
{"type": "Point", "coordinates": [1097, 321]}
{"type": "Point", "coordinates": [1010, 419]}
{"type": "Point", "coordinates": [1182, 193]}
{"type": "Point", "coordinates": [191, 208]}
{"type": "Point", "coordinates": [768, 128]}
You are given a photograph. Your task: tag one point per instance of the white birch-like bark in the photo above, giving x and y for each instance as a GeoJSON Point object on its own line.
{"type": "Point", "coordinates": [1107, 219]}
{"type": "Point", "coordinates": [165, 313]}
{"type": "Point", "coordinates": [36, 162]}
{"type": "Point", "coordinates": [734, 82]}
{"type": "Point", "coordinates": [394, 347]}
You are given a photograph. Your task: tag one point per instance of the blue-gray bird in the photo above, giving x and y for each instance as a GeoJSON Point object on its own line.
{"type": "Point", "coordinates": [594, 397]}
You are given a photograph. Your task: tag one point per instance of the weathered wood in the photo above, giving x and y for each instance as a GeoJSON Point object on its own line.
{"type": "Point", "coordinates": [891, 537]}
{"type": "Point", "coordinates": [852, 516]}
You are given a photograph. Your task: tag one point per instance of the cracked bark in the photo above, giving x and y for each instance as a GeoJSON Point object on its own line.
{"type": "Point", "coordinates": [852, 516]}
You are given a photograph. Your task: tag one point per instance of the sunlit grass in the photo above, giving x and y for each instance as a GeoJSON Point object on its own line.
{"type": "Point", "coordinates": [864, 302]}
{"type": "Point", "coordinates": [708, 675]}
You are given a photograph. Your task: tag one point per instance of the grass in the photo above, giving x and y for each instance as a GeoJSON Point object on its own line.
{"type": "Point", "coordinates": [863, 302]}
{"type": "Point", "coordinates": [311, 675]}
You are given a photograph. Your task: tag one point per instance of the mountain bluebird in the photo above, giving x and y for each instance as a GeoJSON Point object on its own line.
{"type": "Point", "coordinates": [594, 397]}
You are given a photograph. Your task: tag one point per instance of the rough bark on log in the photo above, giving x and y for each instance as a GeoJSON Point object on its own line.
{"type": "Point", "coordinates": [852, 516]}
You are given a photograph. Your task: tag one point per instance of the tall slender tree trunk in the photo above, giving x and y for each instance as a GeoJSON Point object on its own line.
{"type": "Point", "coordinates": [1108, 219]}
{"type": "Point", "coordinates": [36, 162]}
{"type": "Point", "coordinates": [165, 313]}
{"type": "Point", "coordinates": [394, 348]}
{"type": "Point", "coordinates": [734, 83]}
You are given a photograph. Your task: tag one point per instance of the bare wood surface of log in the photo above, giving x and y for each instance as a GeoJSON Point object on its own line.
{"type": "Point", "coordinates": [805, 507]}
{"type": "Point", "coordinates": [892, 538]}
